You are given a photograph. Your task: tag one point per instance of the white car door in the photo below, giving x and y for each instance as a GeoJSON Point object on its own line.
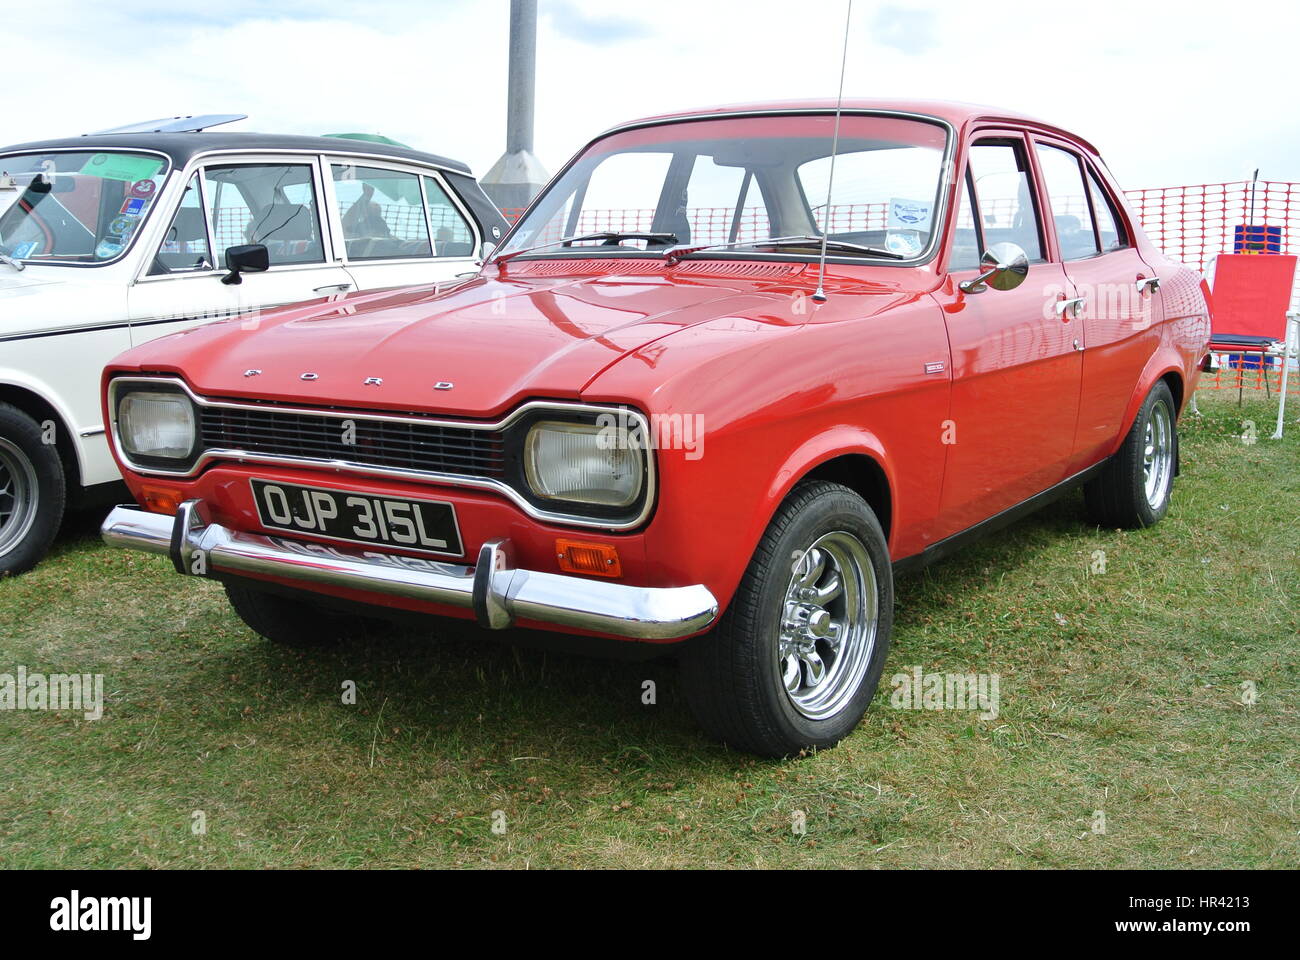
{"type": "Point", "coordinates": [399, 224]}
{"type": "Point", "coordinates": [228, 202]}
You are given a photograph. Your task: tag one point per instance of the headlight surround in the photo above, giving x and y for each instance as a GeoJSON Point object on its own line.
{"type": "Point", "coordinates": [600, 465]}
{"type": "Point", "coordinates": [156, 425]}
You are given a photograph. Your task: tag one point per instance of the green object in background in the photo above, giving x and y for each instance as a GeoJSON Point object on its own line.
{"type": "Point", "coordinates": [369, 138]}
{"type": "Point", "coordinates": [400, 187]}
{"type": "Point", "coordinates": [128, 167]}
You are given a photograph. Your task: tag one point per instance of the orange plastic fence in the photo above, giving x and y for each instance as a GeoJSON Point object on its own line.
{"type": "Point", "coordinates": [1197, 222]}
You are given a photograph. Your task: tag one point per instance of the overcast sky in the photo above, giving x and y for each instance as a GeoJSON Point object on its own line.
{"type": "Point", "coordinates": [1163, 89]}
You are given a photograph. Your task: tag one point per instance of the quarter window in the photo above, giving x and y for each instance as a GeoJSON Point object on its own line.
{"type": "Point", "coordinates": [452, 234]}
{"type": "Point", "coordinates": [1109, 230]}
{"type": "Point", "coordinates": [1071, 212]}
{"type": "Point", "coordinates": [966, 245]}
{"type": "Point", "coordinates": [382, 212]}
{"type": "Point", "coordinates": [1002, 194]}
{"type": "Point", "coordinates": [271, 204]}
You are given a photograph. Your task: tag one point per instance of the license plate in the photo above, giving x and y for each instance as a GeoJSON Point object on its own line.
{"type": "Point", "coordinates": [428, 526]}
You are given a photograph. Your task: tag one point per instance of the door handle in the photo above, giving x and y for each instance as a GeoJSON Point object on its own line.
{"type": "Point", "coordinates": [1143, 283]}
{"type": "Point", "coordinates": [334, 288]}
{"type": "Point", "coordinates": [1064, 307]}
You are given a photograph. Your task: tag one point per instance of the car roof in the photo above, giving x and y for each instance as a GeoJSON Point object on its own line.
{"type": "Point", "coordinates": [182, 147]}
{"type": "Point", "coordinates": [953, 112]}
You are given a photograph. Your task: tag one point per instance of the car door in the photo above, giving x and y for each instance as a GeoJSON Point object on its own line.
{"type": "Point", "coordinates": [1015, 367]}
{"type": "Point", "coordinates": [273, 201]}
{"type": "Point", "coordinates": [1119, 326]}
{"type": "Point", "coordinates": [398, 225]}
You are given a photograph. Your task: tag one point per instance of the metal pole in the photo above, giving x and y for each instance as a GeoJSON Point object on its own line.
{"type": "Point", "coordinates": [1286, 369]}
{"type": "Point", "coordinates": [515, 178]}
{"type": "Point", "coordinates": [523, 74]}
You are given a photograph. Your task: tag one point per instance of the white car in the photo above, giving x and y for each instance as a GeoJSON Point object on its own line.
{"type": "Point", "coordinates": [112, 239]}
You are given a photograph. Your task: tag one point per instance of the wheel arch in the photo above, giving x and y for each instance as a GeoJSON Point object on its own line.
{"type": "Point", "coordinates": [848, 456]}
{"type": "Point", "coordinates": [1162, 367]}
{"type": "Point", "coordinates": [40, 408]}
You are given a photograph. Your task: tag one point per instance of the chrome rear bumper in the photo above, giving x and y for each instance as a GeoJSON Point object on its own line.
{"type": "Point", "coordinates": [498, 593]}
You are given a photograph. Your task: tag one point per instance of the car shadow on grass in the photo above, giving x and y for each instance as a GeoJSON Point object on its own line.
{"type": "Point", "coordinates": [456, 693]}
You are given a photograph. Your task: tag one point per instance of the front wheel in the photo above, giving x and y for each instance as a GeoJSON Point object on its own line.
{"type": "Point", "coordinates": [796, 659]}
{"type": "Point", "coordinates": [1133, 489]}
{"type": "Point", "coordinates": [291, 622]}
{"type": "Point", "coordinates": [31, 491]}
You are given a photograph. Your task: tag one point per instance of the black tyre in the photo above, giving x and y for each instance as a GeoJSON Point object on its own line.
{"type": "Point", "coordinates": [797, 657]}
{"type": "Point", "coordinates": [32, 491]}
{"type": "Point", "coordinates": [291, 622]}
{"type": "Point", "coordinates": [1134, 488]}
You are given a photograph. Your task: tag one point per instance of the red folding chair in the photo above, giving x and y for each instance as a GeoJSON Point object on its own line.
{"type": "Point", "coordinates": [1251, 295]}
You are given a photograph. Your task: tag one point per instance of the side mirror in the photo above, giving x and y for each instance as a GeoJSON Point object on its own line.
{"type": "Point", "coordinates": [250, 258]}
{"type": "Point", "coordinates": [1004, 266]}
{"type": "Point", "coordinates": [489, 248]}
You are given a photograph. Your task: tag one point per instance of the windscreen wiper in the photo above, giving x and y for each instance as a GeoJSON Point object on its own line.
{"type": "Point", "coordinates": [609, 236]}
{"type": "Point", "coordinates": [677, 253]}
{"type": "Point", "coordinates": [11, 261]}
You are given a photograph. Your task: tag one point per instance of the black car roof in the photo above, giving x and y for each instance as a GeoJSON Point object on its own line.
{"type": "Point", "coordinates": [182, 147]}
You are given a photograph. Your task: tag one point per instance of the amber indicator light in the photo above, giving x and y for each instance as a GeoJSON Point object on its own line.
{"type": "Point", "coordinates": [160, 499]}
{"type": "Point", "coordinates": [592, 559]}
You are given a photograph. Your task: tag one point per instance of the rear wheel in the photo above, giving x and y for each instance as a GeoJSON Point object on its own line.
{"type": "Point", "coordinates": [32, 491]}
{"type": "Point", "coordinates": [1134, 488]}
{"type": "Point", "coordinates": [293, 623]}
{"type": "Point", "coordinates": [796, 659]}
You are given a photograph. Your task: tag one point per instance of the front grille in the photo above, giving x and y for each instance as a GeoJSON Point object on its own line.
{"type": "Point", "coordinates": [380, 443]}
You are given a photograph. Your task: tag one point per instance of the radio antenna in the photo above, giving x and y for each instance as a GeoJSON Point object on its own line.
{"type": "Point", "coordinates": [820, 295]}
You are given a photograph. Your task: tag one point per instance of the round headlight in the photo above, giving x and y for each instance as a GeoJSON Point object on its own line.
{"type": "Point", "coordinates": [584, 463]}
{"type": "Point", "coordinates": [156, 425]}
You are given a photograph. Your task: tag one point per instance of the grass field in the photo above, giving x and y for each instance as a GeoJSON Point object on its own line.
{"type": "Point", "coordinates": [1121, 692]}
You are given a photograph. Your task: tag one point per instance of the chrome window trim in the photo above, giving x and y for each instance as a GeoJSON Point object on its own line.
{"type": "Point", "coordinates": [168, 170]}
{"type": "Point", "coordinates": [946, 175]}
{"type": "Point", "coordinates": [425, 476]}
{"type": "Point", "coordinates": [204, 155]}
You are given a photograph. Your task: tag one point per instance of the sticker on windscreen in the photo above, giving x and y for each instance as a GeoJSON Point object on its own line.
{"type": "Point", "coordinates": [121, 166]}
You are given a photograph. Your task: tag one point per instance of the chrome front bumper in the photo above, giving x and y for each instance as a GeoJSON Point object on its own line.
{"type": "Point", "coordinates": [497, 593]}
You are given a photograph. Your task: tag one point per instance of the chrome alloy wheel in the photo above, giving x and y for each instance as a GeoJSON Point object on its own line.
{"type": "Point", "coordinates": [19, 493]}
{"type": "Point", "coordinates": [828, 626]}
{"type": "Point", "coordinates": [1158, 455]}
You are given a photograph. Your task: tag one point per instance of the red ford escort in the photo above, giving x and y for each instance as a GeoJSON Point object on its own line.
{"type": "Point", "coordinates": [731, 372]}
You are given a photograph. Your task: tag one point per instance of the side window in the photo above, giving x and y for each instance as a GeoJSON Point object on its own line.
{"type": "Point", "coordinates": [1070, 209]}
{"type": "Point", "coordinates": [1109, 225]}
{"type": "Point", "coordinates": [452, 235]}
{"type": "Point", "coordinates": [270, 204]}
{"type": "Point", "coordinates": [185, 245]}
{"type": "Point", "coordinates": [1003, 196]}
{"type": "Point", "coordinates": [966, 245]}
{"type": "Point", "coordinates": [382, 213]}
{"type": "Point", "coordinates": [723, 204]}
{"type": "Point", "coordinates": [609, 204]}
{"type": "Point", "coordinates": [622, 193]}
